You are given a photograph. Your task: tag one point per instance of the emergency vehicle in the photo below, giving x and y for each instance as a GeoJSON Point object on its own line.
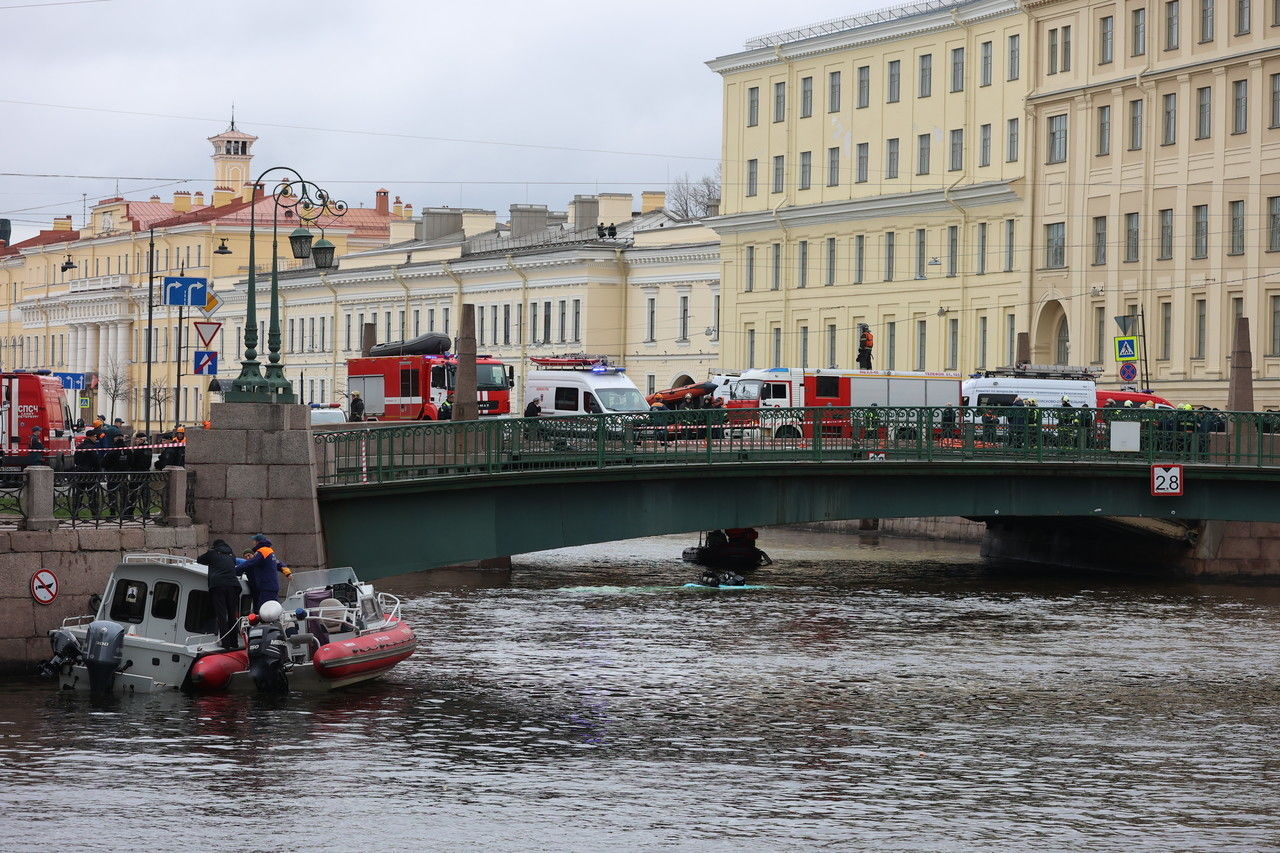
{"type": "Point", "coordinates": [413, 387]}
{"type": "Point", "coordinates": [789, 387]}
{"type": "Point", "coordinates": [576, 386]}
{"type": "Point", "coordinates": [32, 399]}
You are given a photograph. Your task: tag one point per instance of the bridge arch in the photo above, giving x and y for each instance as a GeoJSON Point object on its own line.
{"type": "Point", "coordinates": [1052, 339]}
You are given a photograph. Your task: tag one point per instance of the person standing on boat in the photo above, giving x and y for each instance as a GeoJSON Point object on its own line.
{"type": "Point", "coordinates": [224, 591]}
{"type": "Point", "coordinates": [263, 569]}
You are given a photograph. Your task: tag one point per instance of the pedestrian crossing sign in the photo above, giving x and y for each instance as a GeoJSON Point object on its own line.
{"type": "Point", "coordinates": [1126, 347]}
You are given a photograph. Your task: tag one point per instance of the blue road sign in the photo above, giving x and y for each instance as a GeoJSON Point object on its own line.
{"type": "Point", "coordinates": [206, 363]}
{"type": "Point", "coordinates": [1128, 371]}
{"type": "Point", "coordinates": [71, 381]}
{"type": "Point", "coordinates": [1126, 347]}
{"type": "Point", "coordinates": [186, 291]}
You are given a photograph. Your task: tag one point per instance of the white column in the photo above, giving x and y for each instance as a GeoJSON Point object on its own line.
{"type": "Point", "coordinates": [100, 363]}
{"type": "Point", "coordinates": [123, 407]}
{"type": "Point", "coordinates": [73, 338]}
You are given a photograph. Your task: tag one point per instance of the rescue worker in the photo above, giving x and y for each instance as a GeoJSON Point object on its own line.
{"type": "Point", "coordinates": [138, 464]}
{"type": "Point", "coordinates": [534, 409]}
{"type": "Point", "coordinates": [990, 427]}
{"type": "Point", "coordinates": [35, 447]}
{"type": "Point", "coordinates": [262, 567]}
{"type": "Point", "coordinates": [224, 591]}
{"type": "Point", "coordinates": [446, 409]}
{"type": "Point", "coordinates": [1186, 428]}
{"type": "Point", "coordinates": [357, 407]}
{"type": "Point", "coordinates": [1033, 422]}
{"type": "Point", "coordinates": [1066, 423]}
{"type": "Point", "coordinates": [1018, 423]}
{"type": "Point", "coordinates": [866, 341]}
{"type": "Point", "coordinates": [84, 486]}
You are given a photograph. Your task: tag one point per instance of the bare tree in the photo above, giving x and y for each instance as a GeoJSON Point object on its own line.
{"type": "Point", "coordinates": [115, 383]}
{"type": "Point", "coordinates": [160, 395]}
{"type": "Point", "coordinates": [694, 199]}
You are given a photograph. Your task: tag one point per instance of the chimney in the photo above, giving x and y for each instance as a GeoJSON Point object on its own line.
{"type": "Point", "coordinates": [527, 219]}
{"type": "Point", "coordinates": [439, 222]}
{"type": "Point", "coordinates": [408, 212]}
{"type": "Point", "coordinates": [62, 223]}
{"type": "Point", "coordinates": [478, 221]}
{"type": "Point", "coordinates": [713, 206]}
{"type": "Point", "coordinates": [181, 201]}
{"type": "Point", "coordinates": [615, 208]}
{"type": "Point", "coordinates": [381, 202]}
{"type": "Point", "coordinates": [223, 196]}
{"type": "Point", "coordinates": [155, 198]}
{"type": "Point", "coordinates": [246, 191]}
{"type": "Point", "coordinates": [198, 201]}
{"type": "Point", "coordinates": [651, 200]}
{"type": "Point", "coordinates": [398, 208]}
{"type": "Point", "coordinates": [6, 231]}
{"type": "Point", "coordinates": [584, 210]}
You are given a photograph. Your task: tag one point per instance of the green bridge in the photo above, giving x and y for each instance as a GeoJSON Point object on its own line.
{"type": "Point", "coordinates": [401, 498]}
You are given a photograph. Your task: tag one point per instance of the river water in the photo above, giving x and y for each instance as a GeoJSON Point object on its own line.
{"type": "Point", "coordinates": [897, 696]}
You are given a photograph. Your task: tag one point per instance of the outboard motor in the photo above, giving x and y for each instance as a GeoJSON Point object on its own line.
{"type": "Point", "coordinates": [268, 650]}
{"type": "Point", "coordinates": [104, 650]}
{"type": "Point", "coordinates": [65, 651]}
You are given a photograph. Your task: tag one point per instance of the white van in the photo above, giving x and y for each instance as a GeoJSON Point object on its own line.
{"type": "Point", "coordinates": [583, 390]}
{"type": "Point", "coordinates": [1048, 393]}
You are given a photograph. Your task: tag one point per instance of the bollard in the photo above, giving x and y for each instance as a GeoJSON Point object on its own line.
{"type": "Point", "coordinates": [37, 498]}
{"type": "Point", "coordinates": [175, 510]}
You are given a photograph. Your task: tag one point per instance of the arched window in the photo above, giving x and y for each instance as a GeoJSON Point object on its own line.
{"type": "Point", "coordinates": [1062, 348]}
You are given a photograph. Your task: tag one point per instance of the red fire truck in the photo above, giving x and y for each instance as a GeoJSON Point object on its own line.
{"type": "Point", "coordinates": [787, 387]}
{"type": "Point", "coordinates": [32, 399]}
{"type": "Point", "coordinates": [413, 387]}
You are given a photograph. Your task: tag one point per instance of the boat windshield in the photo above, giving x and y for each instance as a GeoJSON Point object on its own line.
{"type": "Point", "coordinates": [322, 577]}
{"type": "Point", "coordinates": [621, 400]}
{"type": "Point", "coordinates": [746, 389]}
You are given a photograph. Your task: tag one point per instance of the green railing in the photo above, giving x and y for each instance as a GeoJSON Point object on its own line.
{"type": "Point", "coordinates": [387, 453]}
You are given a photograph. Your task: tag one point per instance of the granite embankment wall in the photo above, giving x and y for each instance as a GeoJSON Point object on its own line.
{"type": "Point", "coordinates": [940, 528]}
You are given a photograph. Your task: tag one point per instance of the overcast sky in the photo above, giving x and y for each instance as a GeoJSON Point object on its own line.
{"type": "Point", "coordinates": [608, 76]}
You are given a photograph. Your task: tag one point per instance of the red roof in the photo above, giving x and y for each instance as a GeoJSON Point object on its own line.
{"type": "Point", "coordinates": [44, 238]}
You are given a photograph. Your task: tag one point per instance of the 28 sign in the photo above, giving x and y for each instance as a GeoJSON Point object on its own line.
{"type": "Point", "coordinates": [1167, 480]}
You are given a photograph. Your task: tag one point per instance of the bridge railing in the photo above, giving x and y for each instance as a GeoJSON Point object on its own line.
{"type": "Point", "coordinates": [714, 436]}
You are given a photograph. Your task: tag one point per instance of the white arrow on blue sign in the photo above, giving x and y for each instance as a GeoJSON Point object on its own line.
{"type": "Point", "coordinates": [206, 363]}
{"type": "Point", "coordinates": [71, 381]}
{"type": "Point", "coordinates": [185, 291]}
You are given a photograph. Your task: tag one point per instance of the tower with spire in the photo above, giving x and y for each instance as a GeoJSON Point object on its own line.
{"type": "Point", "coordinates": [232, 163]}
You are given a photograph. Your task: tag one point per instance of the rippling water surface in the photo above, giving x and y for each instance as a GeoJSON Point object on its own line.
{"type": "Point", "coordinates": [888, 697]}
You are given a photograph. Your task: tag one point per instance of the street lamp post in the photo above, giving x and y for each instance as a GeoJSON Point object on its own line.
{"type": "Point", "coordinates": [309, 202]}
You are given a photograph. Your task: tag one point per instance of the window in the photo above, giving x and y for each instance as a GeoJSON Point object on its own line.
{"type": "Point", "coordinates": [777, 346]}
{"type": "Point", "coordinates": [919, 253]}
{"type": "Point", "coordinates": [953, 250]}
{"type": "Point", "coordinates": [546, 321]}
{"type": "Point", "coordinates": [833, 92]}
{"type": "Point", "coordinates": [1053, 51]}
{"type": "Point", "coordinates": [984, 145]}
{"type": "Point", "coordinates": [1172, 12]}
{"type": "Point", "coordinates": [779, 102]}
{"type": "Point", "coordinates": [1099, 332]}
{"type": "Point", "coordinates": [1057, 139]}
{"type": "Point", "coordinates": [1106, 40]}
{"type": "Point", "coordinates": [863, 155]}
{"type": "Point", "coordinates": [164, 600]}
{"type": "Point", "coordinates": [953, 343]}
{"type": "Point", "coordinates": [804, 346]}
{"type": "Point", "coordinates": [1131, 232]}
{"type": "Point", "coordinates": [890, 345]}
{"type": "Point", "coordinates": [1166, 330]}
{"type": "Point", "coordinates": [1204, 112]}
{"type": "Point", "coordinates": [1015, 57]}
{"type": "Point", "coordinates": [1104, 131]}
{"type": "Point", "coordinates": [893, 93]}
{"type": "Point", "coordinates": [1099, 240]}
{"type": "Point", "coordinates": [982, 341]}
{"type": "Point", "coordinates": [891, 159]}
{"type": "Point", "coordinates": [751, 347]}
{"type": "Point", "coordinates": [1010, 230]}
{"type": "Point", "coordinates": [864, 86]}
{"type": "Point", "coordinates": [1275, 100]}
{"type": "Point", "coordinates": [1202, 316]}
{"type": "Point", "coordinates": [1011, 143]}
{"type": "Point", "coordinates": [1010, 337]}
{"type": "Point", "coordinates": [859, 258]}
{"type": "Point", "coordinates": [806, 169]}
{"type": "Point", "coordinates": [684, 319]}
{"type": "Point", "coordinates": [1169, 123]}
{"type": "Point", "coordinates": [1275, 325]}
{"type": "Point", "coordinates": [802, 263]}
{"type": "Point", "coordinates": [831, 261]}
{"type": "Point", "coordinates": [833, 167]}
{"type": "Point", "coordinates": [984, 64]}
{"type": "Point", "coordinates": [926, 75]}
{"type": "Point", "coordinates": [1240, 106]}
{"type": "Point", "coordinates": [957, 150]}
{"type": "Point", "coordinates": [1135, 124]}
{"type": "Point", "coordinates": [1273, 223]}
{"type": "Point", "coordinates": [921, 344]}
{"type": "Point", "coordinates": [753, 106]}
{"type": "Point", "coordinates": [1235, 217]}
{"type": "Point", "coordinates": [779, 172]}
{"type": "Point", "coordinates": [890, 250]}
{"type": "Point", "coordinates": [561, 325]}
{"type": "Point", "coordinates": [806, 97]}
{"type": "Point", "coordinates": [410, 379]}
{"type": "Point", "coordinates": [753, 176]}
{"type": "Point", "coordinates": [715, 318]}
{"type": "Point", "coordinates": [831, 347]}
{"type": "Point", "coordinates": [749, 273]}
{"type": "Point", "coordinates": [1166, 235]}
{"type": "Point", "coordinates": [1244, 16]}
{"type": "Point", "coordinates": [957, 69]}
{"type": "Point", "coordinates": [922, 153]}
{"type": "Point", "coordinates": [982, 248]}
{"type": "Point", "coordinates": [1138, 32]}
{"type": "Point", "coordinates": [775, 258]}
{"type": "Point", "coordinates": [1206, 20]}
{"type": "Point", "coordinates": [1200, 231]}
{"type": "Point", "coordinates": [128, 601]}
{"type": "Point", "coordinates": [1055, 245]}
{"type": "Point", "coordinates": [1066, 48]}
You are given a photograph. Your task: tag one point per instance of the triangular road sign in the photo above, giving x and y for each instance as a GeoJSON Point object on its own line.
{"type": "Point", "coordinates": [206, 330]}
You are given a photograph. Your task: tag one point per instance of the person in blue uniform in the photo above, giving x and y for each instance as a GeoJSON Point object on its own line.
{"type": "Point", "coordinates": [263, 569]}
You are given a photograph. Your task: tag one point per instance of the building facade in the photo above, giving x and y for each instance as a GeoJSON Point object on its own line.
{"type": "Point", "coordinates": [1156, 190]}
{"type": "Point", "coordinates": [874, 172]}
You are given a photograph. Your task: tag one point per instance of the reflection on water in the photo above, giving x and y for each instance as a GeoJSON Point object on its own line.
{"type": "Point", "coordinates": [891, 697]}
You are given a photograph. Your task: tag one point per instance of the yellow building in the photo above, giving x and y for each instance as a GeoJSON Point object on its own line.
{"type": "Point", "coordinates": [638, 286]}
{"type": "Point", "coordinates": [76, 300]}
{"type": "Point", "coordinates": [874, 173]}
{"type": "Point", "coordinates": [1156, 133]}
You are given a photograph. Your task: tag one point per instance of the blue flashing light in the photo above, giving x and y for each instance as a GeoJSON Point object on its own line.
{"type": "Point", "coordinates": [300, 613]}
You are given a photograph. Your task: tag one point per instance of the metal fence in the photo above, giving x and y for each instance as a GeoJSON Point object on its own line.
{"type": "Point", "coordinates": [727, 436]}
{"type": "Point", "coordinates": [93, 499]}
{"type": "Point", "coordinates": [11, 510]}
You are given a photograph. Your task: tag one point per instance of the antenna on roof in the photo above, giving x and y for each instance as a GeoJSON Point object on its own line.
{"type": "Point", "coordinates": [233, 115]}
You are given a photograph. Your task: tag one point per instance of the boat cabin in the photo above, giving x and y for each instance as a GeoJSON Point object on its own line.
{"type": "Point", "coordinates": [164, 598]}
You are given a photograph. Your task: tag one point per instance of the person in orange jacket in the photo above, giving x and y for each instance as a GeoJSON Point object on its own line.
{"type": "Point", "coordinates": [263, 569]}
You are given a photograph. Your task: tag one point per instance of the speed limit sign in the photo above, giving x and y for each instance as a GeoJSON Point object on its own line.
{"type": "Point", "coordinates": [1166, 480]}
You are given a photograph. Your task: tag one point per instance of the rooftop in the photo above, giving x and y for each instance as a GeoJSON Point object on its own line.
{"type": "Point", "coordinates": [851, 22]}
